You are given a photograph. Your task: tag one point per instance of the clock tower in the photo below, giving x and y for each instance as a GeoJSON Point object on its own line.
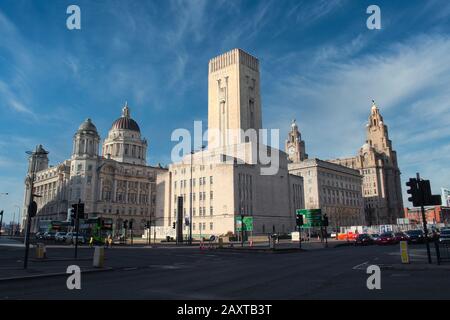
{"type": "Point", "coordinates": [295, 146]}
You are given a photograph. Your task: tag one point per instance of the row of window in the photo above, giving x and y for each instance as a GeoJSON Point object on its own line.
{"type": "Point", "coordinates": [187, 169]}
{"type": "Point", "coordinates": [348, 202]}
{"type": "Point", "coordinates": [201, 211]}
{"type": "Point", "coordinates": [186, 183]}
{"type": "Point", "coordinates": [142, 211]}
{"type": "Point", "coordinates": [202, 226]}
{"type": "Point", "coordinates": [46, 175]}
{"type": "Point", "coordinates": [132, 197]}
{"type": "Point", "coordinates": [201, 196]}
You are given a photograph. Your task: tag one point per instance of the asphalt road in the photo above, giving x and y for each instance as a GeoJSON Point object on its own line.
{"type": "Point", "coordinates": [188, 273]}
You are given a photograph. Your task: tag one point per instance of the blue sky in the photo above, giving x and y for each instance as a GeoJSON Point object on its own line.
{"type": "Point", "coordinates": [320, 65]}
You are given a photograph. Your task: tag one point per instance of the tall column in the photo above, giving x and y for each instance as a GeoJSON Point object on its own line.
{"type": "Point", "coordinates": [138, 200]}
{"type": "Point", "coordinates": [114, 195]}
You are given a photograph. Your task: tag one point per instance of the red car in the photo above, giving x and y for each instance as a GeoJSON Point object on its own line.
{"type": "Point", "coordinates": [400, 236]}
{"type": "Point", "coordinates": [386, 238]}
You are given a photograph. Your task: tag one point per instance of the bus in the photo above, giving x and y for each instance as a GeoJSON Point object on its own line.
{"type": "Point", "coordinates": [97, 228]}
{"type": "Point", "coordinates": [53, 226]}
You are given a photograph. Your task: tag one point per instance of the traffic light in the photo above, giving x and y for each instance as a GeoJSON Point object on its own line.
{"type": "Point", "coordinates": [174, 225]}
{"type": "Point", "coordinates": [428, 198]}
{"type": "Point", "coordinates": [32, 209]}
{"type": "Point", "coordinates": [130, 225]}
{"type": "Point", "coordinates": [414, 191]}
{"type": "Point", "coordinates": [125, 224]}
{"type": "Point", "coordinates": [299, 220]}
{"type": "Point", "coordinates": [325, 220]}
{"type": "Point", "coordinates": [80, 210]}
{"type": "Point", "coordinates": [1, 213]}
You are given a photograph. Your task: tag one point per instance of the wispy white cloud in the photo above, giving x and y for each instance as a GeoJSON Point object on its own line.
{"type": "Point", "coordinates": [411, 82]}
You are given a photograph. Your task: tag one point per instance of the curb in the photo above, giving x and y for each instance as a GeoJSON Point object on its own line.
{"type": "Point", "coordinates": [289, 250]}
{"type": "Point", "coordinates": [412, 267]}
{"type": "Point", "coordinates": [59, 259]}
{"type": "Point", "coordinates": [48, 275]}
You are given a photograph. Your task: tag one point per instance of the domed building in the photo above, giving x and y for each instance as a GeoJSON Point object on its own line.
{"type": "Point", "coordinates": [117, 184]}
{"type": "Point", "coordinates": [124, 143]}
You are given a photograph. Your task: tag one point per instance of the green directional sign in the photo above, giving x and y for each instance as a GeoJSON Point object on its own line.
{"type": "Point", "coordinates": [311, 217]}
{"type": "Point", "coordinates": [248, 223]}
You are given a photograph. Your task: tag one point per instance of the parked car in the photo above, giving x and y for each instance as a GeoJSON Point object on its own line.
{"type": "Point", "coordinates": [400, 236]}
{"type": "Point", "coordinates": [444, 237]}
{"type": "Point", "coordinates": [433, 234]}
{"type": "Point", "coordinates": [60, 236]}
{"type": "Point", "coordinates": [363, 239]}
{"type": "Point", "coordinates": [71, 238]}
{"type": "Point", "coordinates": [49, 235]}
{"type": "Point", "coordinates": [415, 236]}
{"type": "Point", "coordinates": [375, 236]}
{"type": "Point", "coordinates": [39, 235]}
{"type": "Point", "coordinates": [386, 238]}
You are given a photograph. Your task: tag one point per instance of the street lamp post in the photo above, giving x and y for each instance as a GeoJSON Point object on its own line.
{"type": "Point", "coordinates": [31, 204]}
{"type": "Point", "coordinates": [18, 218]}
{"type": "Point", "coordinates": [190, 195]}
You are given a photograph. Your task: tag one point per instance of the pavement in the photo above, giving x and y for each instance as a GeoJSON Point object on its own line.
{"type": "Point", "coordinates": [172, 272]}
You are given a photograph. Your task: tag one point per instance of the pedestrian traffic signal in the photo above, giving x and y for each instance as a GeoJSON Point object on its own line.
{"type": "Point", "coordinates": [130, 224]}
{"type": "Point", "coordinates": [125, 224]}
{"type": "Point", "coordinates": [299, 220]}
{"type": "Point", "coordinates": [414, 191]}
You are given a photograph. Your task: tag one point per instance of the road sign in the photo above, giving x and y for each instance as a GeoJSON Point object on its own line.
{"type": "Point", "coordinates": [248, 223]}
{"type": "Point", "coordinates": [311, 217]}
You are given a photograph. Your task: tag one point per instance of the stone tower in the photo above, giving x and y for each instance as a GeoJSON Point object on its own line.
{"type": "Point", "coordinates": [377, 163]}
{"type": "Point", "coordinates": [295, 146]}
{"type": "Point", "coordinates": [84, 165]}
{"type": "Point", "coordinates": [234, 101]}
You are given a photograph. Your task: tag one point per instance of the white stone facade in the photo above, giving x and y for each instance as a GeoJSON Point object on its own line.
{"type": "Point", "coordinates": [334, 189]}
{"type": "Point", "coordinates": [117, 185]}
{"type": "Point", "coordinates": [227, 179]}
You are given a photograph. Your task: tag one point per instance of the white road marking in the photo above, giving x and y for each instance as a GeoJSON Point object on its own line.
{"type": "Point", "coordinates": [360, 266]}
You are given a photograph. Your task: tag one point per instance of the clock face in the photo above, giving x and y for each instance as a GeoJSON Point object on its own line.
{"type": "Point", "coordinates": [291, 150]}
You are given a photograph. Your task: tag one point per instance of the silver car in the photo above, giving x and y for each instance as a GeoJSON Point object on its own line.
{"type": "Point", "coordinates": [71, 238]}
{"type": "Point", "coordinates": [444, 237]}
{"type": "Point", "coordinates": [60, 236]}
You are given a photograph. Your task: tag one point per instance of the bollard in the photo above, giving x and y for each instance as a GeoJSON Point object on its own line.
{"type": "Point", "coordinates": [41, 252]}
{"type": "Point", "coordinates": [404, 252]}
{"type": "Point", "coordinates": [438, 251]}
{"type": "Point", "coordinates": [99, 257]}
